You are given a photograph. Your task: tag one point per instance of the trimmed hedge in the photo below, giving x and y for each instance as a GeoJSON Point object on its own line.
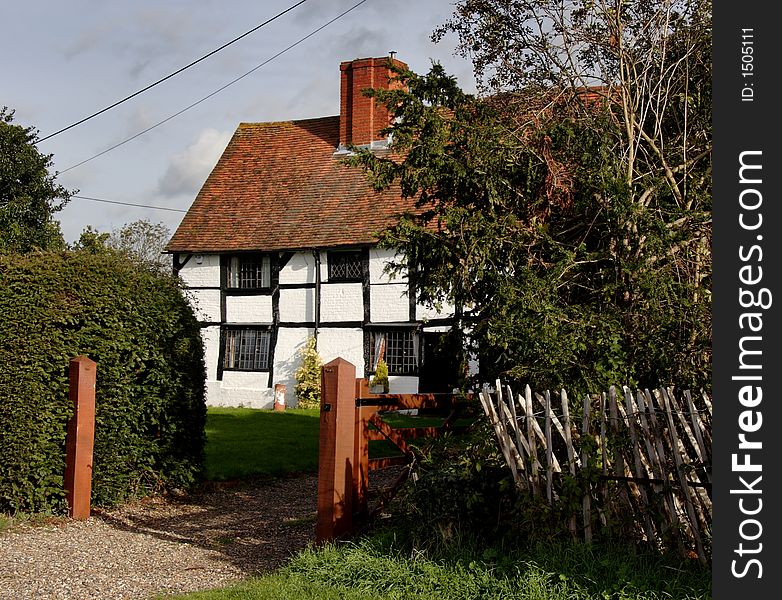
{"type": "Point", "coordinates": [150, 407]}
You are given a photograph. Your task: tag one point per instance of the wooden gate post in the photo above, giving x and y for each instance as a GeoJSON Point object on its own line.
{"type": "Point", "coordinates": [361, 454]}
{"type": "Point", "coordinates": [336, 451]}
{"type": "Point", "coordinates": [80, 437]}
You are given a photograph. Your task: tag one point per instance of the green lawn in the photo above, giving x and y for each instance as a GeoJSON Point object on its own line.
{"type": "Point", "coordinates": [245, 442]}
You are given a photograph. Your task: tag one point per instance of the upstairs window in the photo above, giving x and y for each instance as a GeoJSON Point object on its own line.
{"type": "Point", "coordinates": [398, 347]}
{"type": "Point", "coordinates": [345, 266]}
{"type": "Point", "coordinates": [246, 349]}
{"type": "Point", "coordinates": [249, 272]}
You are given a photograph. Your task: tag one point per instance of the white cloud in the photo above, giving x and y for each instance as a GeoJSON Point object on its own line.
{"type": "Point", "coordinates": [187, 171]}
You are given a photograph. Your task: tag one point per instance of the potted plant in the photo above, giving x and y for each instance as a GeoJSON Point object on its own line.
{"type": "Point", "coordinates": [379, 382]}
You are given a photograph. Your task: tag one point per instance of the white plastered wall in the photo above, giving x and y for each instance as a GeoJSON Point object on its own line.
{"type": "Point", "coordinates": [201, 270]}
{"type": "Point", "coordinates": [345, 342]}
{"type": "Point", "coordinates": [340, 302]}
{"type": "Point", "coordinates": [299, 269]}
{"type": "Point", "coordinates": [388, 303]}
{"type": "Point", "coordinates": [240, 388]}
{"type": "Point", "coordinates": [287, 359]}
{"type": "Point", "coordinates": [206, 304]}
{"type": "Point", "coordinates": [378, 259]}
{"type": "Point", "coordinates": [297, 305]}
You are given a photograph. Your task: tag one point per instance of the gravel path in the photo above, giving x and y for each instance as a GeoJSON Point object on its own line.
{"type": "Point", "coordinates": [159, 545]}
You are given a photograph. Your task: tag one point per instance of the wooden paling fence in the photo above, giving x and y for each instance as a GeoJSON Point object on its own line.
{"type": "Point", "coordinates": [641, 461]}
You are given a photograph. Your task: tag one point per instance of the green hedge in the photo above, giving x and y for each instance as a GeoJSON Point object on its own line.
{"type": "Point", "coordinates": [150, 408]}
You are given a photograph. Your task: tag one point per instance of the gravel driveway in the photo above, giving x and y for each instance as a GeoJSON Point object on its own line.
{"type": "Point", "coordinates": [161, 545]}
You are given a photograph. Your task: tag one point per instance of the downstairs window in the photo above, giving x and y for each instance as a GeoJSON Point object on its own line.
{"type": "Point", "coordinates": [398, 347]}
{"type": "Point", "coordinates": [246, 349]}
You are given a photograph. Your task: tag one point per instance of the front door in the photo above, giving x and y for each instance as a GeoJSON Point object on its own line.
{"type": "Point", "coordinates": [440, 365]}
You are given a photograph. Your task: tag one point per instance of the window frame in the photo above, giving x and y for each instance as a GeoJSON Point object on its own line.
{"type": "Point", "coordinates": [263, 260]}
{"type": "Point", "coordinates": [225, 355]}
{"type": "Point", "coordinates": [416, 350]}
{"type": "Point", "coordinates": [332, 257]}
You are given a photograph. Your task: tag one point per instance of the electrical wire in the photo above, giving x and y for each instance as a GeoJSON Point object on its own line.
{"type": "Point", "coordinates": [128, 203]}
{"type": "Point", "coordinates": [167, 77]}
{"type": "Point", "coordinates": [217, 91]}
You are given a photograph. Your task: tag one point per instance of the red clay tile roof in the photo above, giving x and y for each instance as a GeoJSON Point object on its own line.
{"type": "Point", "coordinates": [278, 186]}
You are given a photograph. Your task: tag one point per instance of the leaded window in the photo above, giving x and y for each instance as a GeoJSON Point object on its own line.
{"type": "Point", "coordinates": [345, 266]}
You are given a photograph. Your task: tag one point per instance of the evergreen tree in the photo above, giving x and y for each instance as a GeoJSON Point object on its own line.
{"type": "Point", "coordinates": [568, 209]}
{"type": "Point", "coordinates": [29, 196]}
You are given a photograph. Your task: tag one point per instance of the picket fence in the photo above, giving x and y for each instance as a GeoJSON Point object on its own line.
{"type": "Point", "coordinates": [640, 460]}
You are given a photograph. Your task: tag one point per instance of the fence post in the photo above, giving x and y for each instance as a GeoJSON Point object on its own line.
{"type": "Point", "coordinates": [80, 437]}
{"type": "Point", "coordinates": [361, 454]}
{"type": "Point", "coordinates": [336, 450]}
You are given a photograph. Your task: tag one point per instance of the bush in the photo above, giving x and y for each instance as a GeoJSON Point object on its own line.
{"type": "Point", "coordinates": [308, 376]}
{"type": "Point", "coordinates": [150, 409]}
{"type": "Point", "coordinates": [462, 489]}
{"type": "Point", "coordinates": [381, 376]}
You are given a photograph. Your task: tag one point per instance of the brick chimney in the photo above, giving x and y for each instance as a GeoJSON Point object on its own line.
{"type": "Point", "coordinates": [360, 118]}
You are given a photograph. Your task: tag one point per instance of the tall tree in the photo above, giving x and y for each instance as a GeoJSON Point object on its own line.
{"type": "Point", "coordinates": [29, 196]}
{"type": "Point", "coordinates": [568, 210]}
{"type": "Point", "coordinates": [143, 241]}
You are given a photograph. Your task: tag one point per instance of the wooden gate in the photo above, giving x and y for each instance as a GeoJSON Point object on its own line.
{"type": "Point", "coordinates": [349, 419]}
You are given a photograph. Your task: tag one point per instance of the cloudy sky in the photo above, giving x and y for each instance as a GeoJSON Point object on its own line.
{"type": "Point", "coordinates": [67, 60]}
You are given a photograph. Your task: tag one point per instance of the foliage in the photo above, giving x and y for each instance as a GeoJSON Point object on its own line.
{"type": "Point", "coordinates": [461, 489]}
{"type": "Point", "coordinates": [571, 220]}
{"type": "Point", "coordinates": [381, 376]}
{"type": "Point", "coordinates": [244, 443]}
{"type": "Point", "coordinates": [382, 567]}
{"type": "Point", "coordinates": [150, 407]}
{"type": "Point", "coordinates": [29, 195]}
{"type": "Point", "coordinates": [91, 240]}
{"type": "Point", "coordinates": [308, 376]}
{"type": "Point", "coordinates": [143, 241]}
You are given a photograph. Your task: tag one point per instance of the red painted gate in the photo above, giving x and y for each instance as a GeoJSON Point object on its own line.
{"type": "Point", "coordinates": [350, 417]}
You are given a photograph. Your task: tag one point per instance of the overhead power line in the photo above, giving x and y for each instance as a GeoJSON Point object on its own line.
{"type": "Point", "coordinates": [128, 203]}
{"type": "Point", "coordinates": [177, 72]}
{"type": "Point", "coordinates": [217, 91]}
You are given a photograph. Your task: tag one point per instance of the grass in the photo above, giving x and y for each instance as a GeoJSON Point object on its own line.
{"type": "Point", "coordinates": [8, 522]}
{"type": "Point", "coordinates": [244, 443]}
{"type": "Point", "coordinates": [375, 569]}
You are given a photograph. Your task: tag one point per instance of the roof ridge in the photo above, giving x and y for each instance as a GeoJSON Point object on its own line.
{"type": "Point", "coordinates": [244, 124]}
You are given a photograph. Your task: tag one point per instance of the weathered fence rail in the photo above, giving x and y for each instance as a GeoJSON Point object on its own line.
{"type": "Point", "coordinates": [650, 452]}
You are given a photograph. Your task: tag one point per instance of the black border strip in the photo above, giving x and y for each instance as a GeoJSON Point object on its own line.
{"type": "Point", "coordinates": [296, 286]}
{"type": "Point", "coordinates": [275, 284]}
{"type": "Point", "coordinates": [747, 523]}
{"type": "Point", "coordinates": [328, 325]}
